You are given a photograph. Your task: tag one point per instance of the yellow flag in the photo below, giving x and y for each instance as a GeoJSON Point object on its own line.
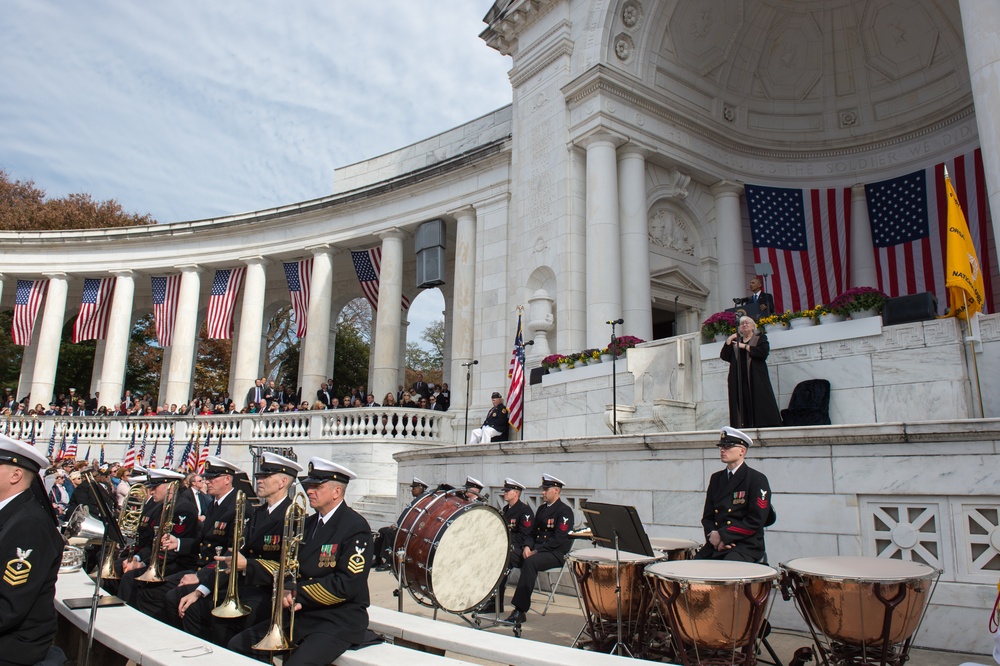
{"type": "Point", "coordinates": [963, 276]}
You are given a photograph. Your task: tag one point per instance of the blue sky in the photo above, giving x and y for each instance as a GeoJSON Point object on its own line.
{"type": "Point", "coordinates": [191, 110]}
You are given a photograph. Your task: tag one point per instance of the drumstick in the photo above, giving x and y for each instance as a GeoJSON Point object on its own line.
{"type": "Point", "coordinates": [995, 615]}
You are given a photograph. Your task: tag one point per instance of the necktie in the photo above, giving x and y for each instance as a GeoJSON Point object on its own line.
{"type": "Point", "coordinates": [731, 475]}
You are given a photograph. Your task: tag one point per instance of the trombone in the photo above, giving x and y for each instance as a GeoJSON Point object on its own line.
{"type": "Point", "coordinates": [288, 566]}
{"type": "Point", "coordinates": [155, 573]}
{"type": "Point", "coordinates": [128, 523]}
{"type": "Point", "coordinates": [231, 606]}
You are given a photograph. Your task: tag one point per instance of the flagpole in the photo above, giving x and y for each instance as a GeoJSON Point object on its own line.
{"type": "Point", "coordinates": [975, 362]}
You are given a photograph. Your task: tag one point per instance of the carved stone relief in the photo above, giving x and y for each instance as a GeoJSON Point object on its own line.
{"type": "Point", "coordinates": [631, 14]}
{"type": "Point", "coordinates": [899, 37]}
{"type": "Point", "coordinates": [668, 230]}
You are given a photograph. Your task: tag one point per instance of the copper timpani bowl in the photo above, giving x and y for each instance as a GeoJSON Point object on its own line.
{"type": "Point", "coordinates": [674, 549]}
{"type": "Point", "coordinates": [595, 572]}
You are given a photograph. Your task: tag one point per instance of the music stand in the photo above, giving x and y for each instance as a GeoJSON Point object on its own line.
{"type": "Point", "coordinates": [111, 533]}
{"type": "Point", "coordinates": [617, 526]}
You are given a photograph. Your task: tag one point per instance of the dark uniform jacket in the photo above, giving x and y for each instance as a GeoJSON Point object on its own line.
{"type": "Point", "coordinates": [215, 530]}
{"type": "Point", "coordinates": [82, 496]}
{"type": "Point", "coordinates": [519, 521]}
{"type": "Point", "coordinates": [550, 531]}
{"type": "Point", "coordinates": [739, 509]}
{"type": "Point", "coordinates": [30, 554]}
{"type": "Point", "coordinates": [498, 419]}
{"type": "Point", "coordinates": [185, 526]}
{"type": "Point", "coordinates": [261, 540]}
{"type": "Point", "coordinates": [333, 583]}
{"type": "Point", "coordinates": [146, 531]}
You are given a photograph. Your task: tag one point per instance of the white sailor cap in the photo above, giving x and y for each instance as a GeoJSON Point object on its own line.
{"type": "Point", "coordinates": [138, 469]}
{"type": "Point", "coordinates": [19, 454]}
{"type": "Point", "coordinates": [511, 484]}
{"type": "Point", "coordinates": [473, 483]}
{"type": "Point", "coordinates": [158, 476]}
{"type": "Point", "coordinates": [733, 436]}
{"type": "Point", "coordinates": [275, 464]}
{"type": "Point", "coordinates": [218, 467]}
{"type": "Point", "coordinates": [548, 481]}
{"type": "Point", "coordinates": [418, 483]}
{"type": "Point", "coordinates": [321, 470]}
{"type": "Point", "coordinates": [138, 478]}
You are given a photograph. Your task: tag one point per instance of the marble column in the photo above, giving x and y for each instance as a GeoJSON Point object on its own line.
{"type": "Point", "coordinates": [463, 300]}
{"type": "Point", "coordinates": [637, 299]}
{"type": "Point", "coordinates": [981, 30]}
{"type": "Point", "coordinates": [729, 241]}
{"type": "Point", "coordinates": [390, 293]}
{"type": "Point", "coordinates": [863, 271]}
{"type": "Point", "coordinates": [97, 367]}
{"type": "Point", "coordinates": [404, 327]}
{"type": "Point", "coordinates": [246, 366]}
{"type": "Point", "coordinates": [185, 337]}
{"type": "Point", "coordinates": [604, 288]}
{"type": "Point", "coordinates": [161, 397]}
{"type": "Point", "coordinates": [43, 377]}
{"type": "Point", "coordinates": [28, 357]}
{"type": "Point", "coordinates": [571, 306]}
{"type": "Point", "coordinates": [314, 362]}
{"type": "Point", "coordinates": [116, 345]}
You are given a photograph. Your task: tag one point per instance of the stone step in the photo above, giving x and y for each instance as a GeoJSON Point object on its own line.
{"type": "Point", "coordinates": [378, 510]}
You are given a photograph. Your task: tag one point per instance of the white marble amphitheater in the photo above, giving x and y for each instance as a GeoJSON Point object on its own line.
{"type": "Point", "coordinates": [613, 186]}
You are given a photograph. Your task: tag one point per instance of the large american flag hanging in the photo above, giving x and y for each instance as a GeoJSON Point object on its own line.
{"type": "Point", "coordinates": [298, 275]}
{"type": "Point", "coordinates": [368, 266]}
{"type": "Point", "coordinates": [804, 235]}
{"type": "Point", "coordinates": [95, 309]}
{"type": "Point", "coordinates": [27, 299]}
{"type": "Point", "coordinates": [909, 222]}
{"type": "Point", "coordinates": [222, 302]}
{"type": "Point", "coordinates": [515, 394]}
{"type": "Point", "coordinates": [166, 291]}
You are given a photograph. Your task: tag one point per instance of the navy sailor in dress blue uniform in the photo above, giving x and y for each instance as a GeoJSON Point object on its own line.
{"type": "Point", "coordinates": [387, 535]}
{"type": "Point", "coordinates": [737, 505]}
{"type": "Point", "coordinates": [30, 554]}
{"type": "Point", "coordinates": [546, 546]}
{"type": "Point", "coordinates": [331, 594]}
{"type": "Point", "coordinates": [519, 518]}
{"type": "Point", "coordinates": [496, 427]}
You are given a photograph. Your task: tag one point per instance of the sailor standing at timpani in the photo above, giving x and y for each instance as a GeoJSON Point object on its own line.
{"type": "Point", "coordinates": [737, 505]}
{"type": "Point", "coordinates": [30, 554]}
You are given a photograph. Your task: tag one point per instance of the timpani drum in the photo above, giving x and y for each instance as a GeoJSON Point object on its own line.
{"type": "Point", "coordinates": [675, 549]}
{"type": "Point", "coordinates": [713, 608]}
{"type": "Point", "coordinates": [866, 608]}
{"type": "Point", "coordinates": [452, 551]}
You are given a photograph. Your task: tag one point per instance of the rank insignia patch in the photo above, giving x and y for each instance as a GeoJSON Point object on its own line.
{"type": "Point", "coordinates": [356, 563]}
{"type": "Point", "coordinates": [18, 569]}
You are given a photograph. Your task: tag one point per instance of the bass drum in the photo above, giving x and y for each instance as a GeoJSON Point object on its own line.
{"type": "Point", "coordinates": [452, 551]}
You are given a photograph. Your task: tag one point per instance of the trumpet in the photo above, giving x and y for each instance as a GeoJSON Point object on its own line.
{"type": "Point", "coordinates": [128, 523]}
{"type": "Point", "coordinates": [231, 606]}
{"type": "Point", "coordinates": [158, 559]}
{"type": "Point", "coordinates": [288, 566]}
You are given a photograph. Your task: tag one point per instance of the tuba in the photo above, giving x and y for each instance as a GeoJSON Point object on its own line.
{"type": "Point", "coordinates": [128, 523]}
{"type": "Point", "coordinates": [231, 606]}
{"type": "Point", "coordinates": [288, 566]}
{"type": "Point", "coordinates": [158, 559]}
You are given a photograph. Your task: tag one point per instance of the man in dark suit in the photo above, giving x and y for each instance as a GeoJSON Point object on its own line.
{"type": "Point", "coordinates": [545, 547]}
{"type": "Point", "coordinates": [764, 300]}
{"type": "Point", "coordinates": [8, 401]}
{"type": "Point", "coordinates": [331, 594]}
{"type": "Point", "coordinates": [324, 395]}
{"type": "Point", "coordinates": [30, 552]}
{"type": "Point", "coordinates": [256, 394]}
{"type": "Point", "coordinates": [737, 505]}
{"type": "Point", "coordinates": [420, 387]}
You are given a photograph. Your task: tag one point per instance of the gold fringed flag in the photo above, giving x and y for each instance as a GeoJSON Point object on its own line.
{"type": "Point", "coordinates": [963, 276]}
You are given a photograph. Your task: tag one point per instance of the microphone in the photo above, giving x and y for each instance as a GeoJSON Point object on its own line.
{"type": "Point", "coordinates": [470, 363]}
{"type": "Point", "coordinates": [528, 343]}
{"type": "Point", "coordinates": [616, 321]}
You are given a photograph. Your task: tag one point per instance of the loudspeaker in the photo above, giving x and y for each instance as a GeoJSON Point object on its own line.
{"type": "Point", "coordinates": [429, 244]}
{"type": "Point", "coordinates": [908, 309]}
{"type": "Point", "coordinates": [536, 375]}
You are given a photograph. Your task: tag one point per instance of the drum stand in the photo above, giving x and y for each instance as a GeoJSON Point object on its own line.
{"type": "Point", "coordinates": [619, 645]}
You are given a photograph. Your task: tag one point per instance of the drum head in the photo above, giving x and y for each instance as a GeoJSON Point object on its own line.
{"type": "Point", "coordinates": [608, 555]}
{"type": "Point", "coordinates": [667, 544]}
{"type": "Point", "coordinates": [469, 559]}
{"type": "Point", "coordinates": [708, 571]}
{"type": "Point", "coordinates": [870, 569]}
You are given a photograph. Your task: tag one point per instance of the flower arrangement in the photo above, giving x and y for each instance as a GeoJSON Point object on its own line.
{"type": "Point", "coordinates": [589, 355]}
{"type": "Point", "coordinates": [803, 314]}
{"type": "Point", "coordinates": [552, 361]}
{"type": "Point", "coordinates": [771, 319]}
{"type": "Point", "coordinates": [719, 323]}
{"type": "Point", "coordinates": [624, 342]}
{"type": "Point", "coordinates": [858, 299]}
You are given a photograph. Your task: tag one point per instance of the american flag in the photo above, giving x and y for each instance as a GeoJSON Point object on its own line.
{"type": "Point", "coordinates": [218, 445]}
{"type": "Point", "coordinates": [515, 395]}
{"type": "Point", "coordinates": [804, 235]}
{"type": "Point", "coordinates": [298, 275]}
{"type": "Point", "coordinates": [909, 221]}
{"type": "Point", "coordinates": [142, 448]}
{"type": "Point", "coordinates": [368, 266]}
{"type": "Point", "coordinates": [52, 441]}
{"type": "Point", "coordinates": [102, 453]}
{"type": "Point", "coordinates": [152, 456]}
{"type": "Point", "coordinates": [27, 300]}
{"type": "Point", "coordinates": [62, 445]}
{"type": "Point", "coordinates": [71, 449]}
{"type": "Point", "coordinates": [87, 457]}
{"type": "Point", "coordinates": [129, 461]}
{"type": "Point", "coordinates": [165, 293]}
{"type": "Point", "coordinates": [95, 309]}
{"type": "Point", "coordinates": [189, 461]}
{"type": "Point", "coordinates": [168, 460]}
{"type": "Point", "coordinates": [225, 289]}
{"type": "Point", "coordinates": [203, 458]}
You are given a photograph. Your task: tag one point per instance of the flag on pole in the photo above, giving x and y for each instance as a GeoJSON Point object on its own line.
{"type": "Point", "coordinates": [129, 462]}
{"type": "Point", "coordinates": [166, 291]}
{"type": "Point", "coordinates": [27, 299]}
{"type": "Point", "coordinates": [218, 445]}
{"type": "Point", "coordinates": [102, 453]}
{"type": "Point", "coordinates": [95, 310]}
{"type": "Point", "coordinates": [222, 302]}
{"type": "Point", "coordinates": [71, 449]}
{"type": "Point", "coordinates": [87, 457]}
{"type": "Point", "coordinates": [52, 441]}
{"type": "Point", "coordinates": [142, 448]}
{"type": "Point", "coordinates": [368, 266]}
{"type": "Point", "coordinates": [168, 460]}
{"type": "Point", "coordinates": [963, 277]}
{"type": "Point", "coordinates": [62, 445]}
{"type": "Point", "coordinates": [203, 458]}
{"type": "Point", "coordinates": [515, 394]}
{"type": "Point", "coordinates": [33, 428]}
{"type": "Point", "coordinates": [909, 222]}
{"type": "Point", "coordinates": [298, 275]}
{"type": "Point", "coordinates": [805, 236]}
{"type": "Point", "coordinates": [152, 456]}
{"type": "Point", "coordinates": [189, 461]}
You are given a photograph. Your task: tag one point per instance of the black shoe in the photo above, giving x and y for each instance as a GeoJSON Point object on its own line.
{"type": "Point", "coordinates": [516, 617]}
{"type": "Point", "coordinates": [382, 567]}
{"type": "Point", "coordinates": [489, 607]}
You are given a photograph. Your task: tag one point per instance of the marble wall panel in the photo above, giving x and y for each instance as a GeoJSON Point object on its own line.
{"type": "Point", "coordinates": [784, 546]}
{"type": "Point", "coordinates": [712, 415]}
{"type": "Point", "coordinates": [672, 508]}
{"type": "Point", "coordinates": [943, 400]}
{"type": "Point", "coordinates": [821, 514]}
{"type": "Point", "coordinates": [566, 426]}
{"type": "Point", "coordinates": [568, 405]}
{"type": "Point", "coordinates": [909, 366]}
{"type": "Point", "coordinates": [796, 475]}
{"type": "Point", "coordinates": [657, 474]}
{"type": "Point", "coordinates": [641, 500]}
{"type": "Point", "coordinates": [849, 544]}
{"type": "Point", "coordinates": [842, 373]}
{"type": "Point", "coordinates": [852, 406]}
{"type": "Point", "coordinates": [917, 475]}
